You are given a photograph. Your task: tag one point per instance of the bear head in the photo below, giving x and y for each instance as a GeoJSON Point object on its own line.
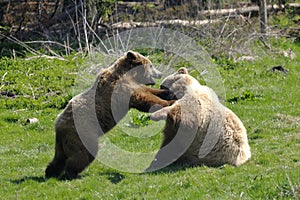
{"type": "Point", "coordinates": [178, 84]}
{"type": "Point", "coordinates": [141, 68]}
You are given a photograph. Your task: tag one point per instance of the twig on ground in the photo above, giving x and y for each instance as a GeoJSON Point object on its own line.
{"type": "Point", "coordinates": [32, 91]}
{"type": "Point", "coordinates": [2, 79]}
{"type": "Point", "coordinates": [49, 42]}
{"type": "Point", "coordinates": [223, 28]}
{"type": "Point", "coordinates": [260, 37]}
{"type": "Point", "coordinates": [92, 30]}
{"type": "Point", "coordinates": [45, 56]}
{"type": "Point", "coordinates": [15, 40]}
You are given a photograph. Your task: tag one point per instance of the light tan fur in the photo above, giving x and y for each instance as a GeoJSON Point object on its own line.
{"type": "Point", "coordinates": [220, 136]}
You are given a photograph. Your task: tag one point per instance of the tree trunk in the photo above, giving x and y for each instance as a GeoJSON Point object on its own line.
{"type": "Point", "coordinates": [263, 16]}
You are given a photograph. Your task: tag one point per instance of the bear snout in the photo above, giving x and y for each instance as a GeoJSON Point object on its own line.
{"type": "Point", "coordinates": [155, 73]}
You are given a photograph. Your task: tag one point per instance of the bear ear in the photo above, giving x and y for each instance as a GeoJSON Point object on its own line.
{"type": "Point", "coordinates": [131, 55]}
{"type": "Point", "coordinates": [182, 70]}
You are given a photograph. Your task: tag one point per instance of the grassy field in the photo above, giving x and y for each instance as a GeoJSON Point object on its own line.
{"type": "Point", "coordinates": [267, 102]}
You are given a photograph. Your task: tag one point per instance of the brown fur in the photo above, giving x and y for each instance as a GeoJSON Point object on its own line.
{"type": "Point", "coordinates": [212, 134]}
{"type": "Point", "coordinates": [96, 111]}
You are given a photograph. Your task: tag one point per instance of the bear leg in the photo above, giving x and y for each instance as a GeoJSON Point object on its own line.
{"type": "Point", "coordinates": [57, 165]}
{"type": "Point", "coordinates": [77, 163]}
{"type": "Point", "coordinates": [165, 94]}
{"type": "Point", "coordinates": [146, 101]}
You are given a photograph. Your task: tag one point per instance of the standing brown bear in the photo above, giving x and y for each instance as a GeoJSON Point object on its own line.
{"type": "Point", "coordinates": [96, 111]}
{"type": "Point", "coordinates": [199, 130]}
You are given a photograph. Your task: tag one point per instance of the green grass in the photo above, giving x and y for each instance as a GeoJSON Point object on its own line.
{"type": "Point", "coordinates": [267, 102]}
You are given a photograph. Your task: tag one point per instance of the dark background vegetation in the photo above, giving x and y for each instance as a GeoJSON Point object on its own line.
{"type": "Point", "coordinates": [76, 24]}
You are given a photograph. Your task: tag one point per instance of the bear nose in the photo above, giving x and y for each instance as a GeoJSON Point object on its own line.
{"type": "Point", "coordinates": [164, 87]}
{"type": "Point", "coordinates": [156, 73]}
{"type": "Point", "coordinates": [159, 75]}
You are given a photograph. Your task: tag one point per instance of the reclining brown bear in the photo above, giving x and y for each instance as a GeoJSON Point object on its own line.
{"type": "Point", "coordinates": [199, 130]}
{"type": "Point", "coordinates": [96, 111]}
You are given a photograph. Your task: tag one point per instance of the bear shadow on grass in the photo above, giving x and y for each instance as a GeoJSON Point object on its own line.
{"type": "Point", "coordinates": [39, 179]}
{"type": "Point", "coordinates": [172, 168]}
{"type": "Point", "coordinates": [175, 167]}
{"type": "Point", "coordinates": [116, 177]}
{"type": "Point", "coordinates": [113, 177]}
